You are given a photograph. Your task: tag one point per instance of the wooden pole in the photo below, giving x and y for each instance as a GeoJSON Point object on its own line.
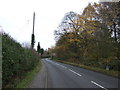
{"type": "Point", "coordinates": [33, 36]}
{"type": "Point", "coordinates": [33, 21]}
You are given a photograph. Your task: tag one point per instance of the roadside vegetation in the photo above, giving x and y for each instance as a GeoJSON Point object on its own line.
{"type": "Point", "coordinates": [113, 73]}
{"type": "Point", "coordinates": [91, 39]}
{"type": "Point", "coordinates": [17, 62]}
{"type": "Point", "coordinates": [24, 83]}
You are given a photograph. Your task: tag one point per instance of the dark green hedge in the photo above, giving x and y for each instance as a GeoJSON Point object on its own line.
{"type": "Point", "coordinates": [16, 61]}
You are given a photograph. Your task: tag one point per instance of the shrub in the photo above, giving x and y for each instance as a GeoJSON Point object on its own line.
{"type": "Point", "coordinates": [16, 61]}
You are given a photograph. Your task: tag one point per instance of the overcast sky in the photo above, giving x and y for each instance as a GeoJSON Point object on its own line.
{"type": "Point", "coordinates": [16, 18]}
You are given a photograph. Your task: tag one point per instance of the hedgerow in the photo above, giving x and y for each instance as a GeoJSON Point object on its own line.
{"type": "Point", "coordinates": [16, 61]}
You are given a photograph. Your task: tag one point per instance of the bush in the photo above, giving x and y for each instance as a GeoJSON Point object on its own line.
{"type": "Point", "coordinates": [16, 61]}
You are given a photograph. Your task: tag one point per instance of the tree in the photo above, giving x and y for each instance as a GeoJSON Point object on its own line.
{"type": "Point", "coordinates": [86, 38]}
{"type": "Point", "coordinates": [112, 20]}
{"type": "Point", "coordinates": [41, 51]}
{"type": "Point", "coordinates": [32, 41]}
{"type": "Point", "coordinates": [70, 23]}
{"type": "Point", "coordinates": [38, 47]}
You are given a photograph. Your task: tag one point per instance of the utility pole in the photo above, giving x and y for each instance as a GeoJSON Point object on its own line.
{"type": "Point", "coordinates": [33, 36]}
{"type": "Point", "coordinates": [33, 21]}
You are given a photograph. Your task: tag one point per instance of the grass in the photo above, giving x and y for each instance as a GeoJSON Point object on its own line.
{"type": "Point", "coordinates": [112, 73]}
{"type": "Point", "coordinates": [29, 77]}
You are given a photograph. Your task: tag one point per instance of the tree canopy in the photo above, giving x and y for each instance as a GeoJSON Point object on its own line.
{"type": "Point", "coordinates": [91, 38]}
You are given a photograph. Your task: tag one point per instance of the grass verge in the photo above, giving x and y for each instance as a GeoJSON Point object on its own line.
{"type": "Point", "coordinates": [103, 71]}
{"type": "Point", "coordinates": [29, 77]}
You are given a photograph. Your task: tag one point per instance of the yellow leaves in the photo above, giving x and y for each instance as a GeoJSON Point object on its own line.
{"type": "Point", "coordinates": [81, 16]}
{"type": "Point", "coordinates": [89, 21]}
{"type": "Point", "coordinates": [96, 5]}
{"type": "Point", "coordinates": [73, 40]}
{"type": "Point", "coordinates": [90, 31]}
{"type": "Point", "coordinates": [90, 26]}
{"type": "Point", "coordinates": [89, 11]}
{"type": "Point", "coordinates": [109, 23]}
{"type": "Point", "coordinates": [58, 47]}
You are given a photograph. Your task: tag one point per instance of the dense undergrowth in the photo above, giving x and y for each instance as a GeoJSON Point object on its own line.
{"type": "Point", "coordinates": [16, 61]}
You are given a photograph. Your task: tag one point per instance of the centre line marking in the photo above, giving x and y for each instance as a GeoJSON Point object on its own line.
{"type": "Point", "coordinates": [75, 72]}
{"type": "Point", "coordinates": [98, 85]}
{"type": "Point", "coordinates": [57, 64]}
{"type": "Point", "coordinates": [63, 66]}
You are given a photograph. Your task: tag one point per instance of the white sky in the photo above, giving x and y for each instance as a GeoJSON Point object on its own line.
{"type": "Point", "coordinates": [16, 18]}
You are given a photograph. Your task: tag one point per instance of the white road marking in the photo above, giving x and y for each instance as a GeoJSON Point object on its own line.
{"type": "Point", "coordinates": [63, 66]}
{"type": "Point", "coordinates": [57, 64]}
{"type": "Point", "coordinates": [98, 85]}
{"type": "Point", "coordinates": [78, 75]}
{"type": "Point", "coordinates": [75, 72]}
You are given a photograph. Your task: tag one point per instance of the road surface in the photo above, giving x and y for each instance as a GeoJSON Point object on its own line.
{"type": "Point", "coordinates": [59, 75]}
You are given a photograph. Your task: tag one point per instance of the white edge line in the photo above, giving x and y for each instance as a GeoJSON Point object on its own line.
{"type": "Point", "coordinates": [75, 72]}
{"type": "Point", "coordinates": [63, 66]}
{"type": "Point", "coordinates": [98, 85]}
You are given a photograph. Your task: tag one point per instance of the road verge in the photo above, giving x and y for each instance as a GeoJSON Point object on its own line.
{"type": "Point", "coordinates": [29, 77]}
{"type": "Point", "coordinates": [100, 70]}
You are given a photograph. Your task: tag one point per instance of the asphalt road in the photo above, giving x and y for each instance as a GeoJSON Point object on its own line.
{"type": "Point", "coordinates": [59, 75]}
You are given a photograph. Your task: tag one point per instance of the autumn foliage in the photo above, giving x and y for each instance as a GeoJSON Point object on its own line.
{"type": "Point", "coordinates": [92, 37]}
